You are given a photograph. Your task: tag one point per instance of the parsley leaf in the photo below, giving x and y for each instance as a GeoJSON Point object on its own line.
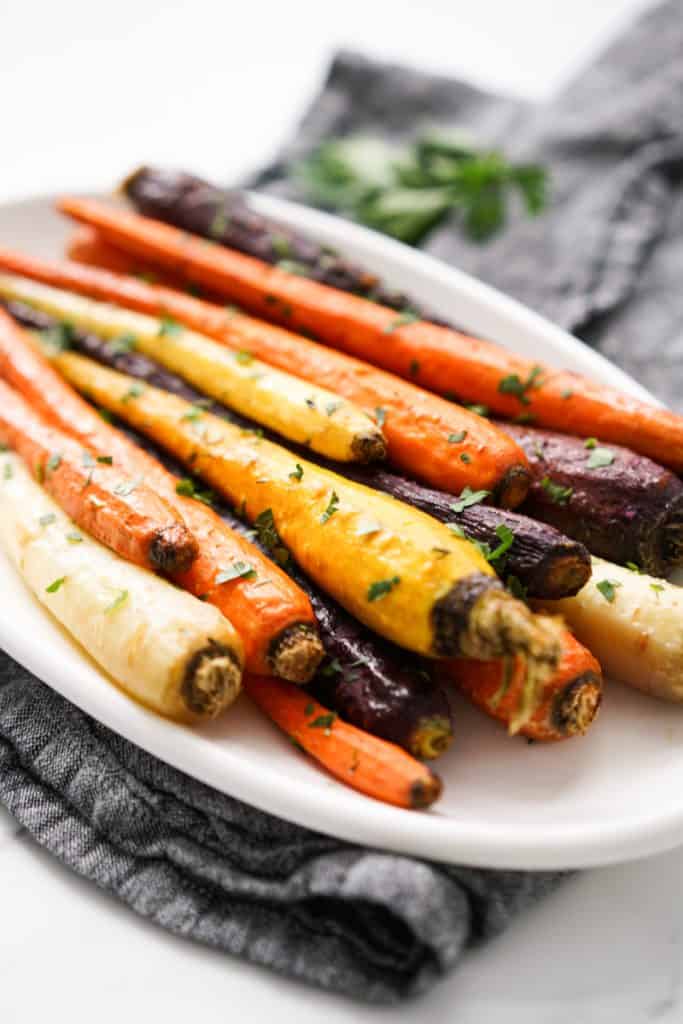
{"type": "Point", "coordinates": [469, 497]}
{"type": "Point", "coordinates": [169, 327]}
{"type": "Point", "coordinates": [238, 570]}
{"type": "Point", "coordinates": [506, 537]}
{"type": "Point", "coordinates": [558, 494]}
{"type": "Point", "coordinates": [599, 458]}
{"type": "Point", "coordinates": [457, 438]}
{"type": "Point", "coordinates": [119, 600]}
{"type": "Point", "coordinates": [513, 385]}
{"type": "Point", "coordinates": [608, 589]}
{"type": "Point", "coordinates": [297, 473]}
{"type": "Point", "coordinates": [47, 519]}
{"type": "Point", "coordinates": [331, 508]}
{"type": "Point", "coordinates": [407, 317]}
{"type": "Point", "coordinates": [55, 585]}
{"type": "Point", "coordinates": [380, 588]}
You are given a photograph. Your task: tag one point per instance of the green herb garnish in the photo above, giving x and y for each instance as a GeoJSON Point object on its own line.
{"type": "Point", "coordinates": [479, 410]}
{"type": "Point", "coordinates": [237, 571]}
{"type": "Point", "coordinates": [123, 344]}
{"type": "Point", "coordinates": [324, 722]}
{"type": "Point", "coordinates": [467, 498]}
{"type": "Point", "coordinates": [134, 391]}
{"type": "Point", "coordinates": [513, 385]}
{"type": "Point", "coordinates": [414, 368]}
{"type": "Point", "coordinates": [268, 536]}
{"type": "Point", "coordinates": [54, 462]}
{"type": "Point", "coordinates": [169, 327]}
{"type": "Point", "coordinates": [457, 438]}
{"type": "Point", "coordinates": [55, 585]}
{"type": "Point", "coordinates": [120, 599]}
{"type": "Point", "coordinates": [188, 489]}
{"type": "Point", "coordinates": [506, 537]}
{"type": "Point", "coordinates": [465, 457]}
{"type": "Point", "coordinates": [608, 589]}
{"type": "Point", "coordinates": [243, 357]}
{"type": "Point", "coordinates": [127, 487]}
{"type": "Point", "coordinates": [106, 460]}
{"type": "Point", "coordinates": [380, 588]}
{"type": "Point", "coordinates": [47, 519]}
{"type": "Point", "coordinates": [332, 407]}
{"type": "Point", "coordinates": [74, 537]}
{"type": "Point", "coordinates": [407, 317]}
{"type": "Point", "coordinates": [297, 473]}
{"type": "Point", "coordinates": [516, 587]}
{"type": "Point", "coordinates": [599, 458]}
{"type": "Point", "coordinates": [331, 508]}
{"type": "Point", "coordinates": [558, 494]}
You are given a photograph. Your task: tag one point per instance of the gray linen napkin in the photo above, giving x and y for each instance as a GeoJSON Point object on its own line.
{"type": "Point", "coordinates": [603, 259]}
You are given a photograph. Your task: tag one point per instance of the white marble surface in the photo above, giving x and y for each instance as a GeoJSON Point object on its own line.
{"type": "Point", "coordinates": [87, 91]}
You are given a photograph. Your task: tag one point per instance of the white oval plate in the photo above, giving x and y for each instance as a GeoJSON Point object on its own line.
{"type": "Point", "coordinates": [611, 796]}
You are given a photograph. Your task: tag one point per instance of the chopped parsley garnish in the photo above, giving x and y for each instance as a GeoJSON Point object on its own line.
{"type": "Point", "coordinates": [59, 337]}
{"type": "Point", "coordinates": [368, 526]}
{"type": "Point", "coordinates": [219, 222]}
{"type": "Point", "coordinates": [514, 385]}
{"type": "Point", "coordinates": [332, 407]}
{"type": "Point", "coordinates": [380, 415]}
{"type": "Point", "coordinates": [558, 494]}
{"type": "Point", "coordinates": [608, 589]}
{"type": "Point", "coordinates": [106, 415]}
{"type": "Point", "coordinates": [380, 588]}
{"type": "Point", "coordinates": [309, 709]}
{"type": "Point", "coordinates": [634, 568]}
{"type": "Point", "coordinates": [590, 442]}
{"type": "Point", "coordinates": [243, 357]}
{"type": "Point", "coordinates": [457, 438]}
{"type": "Point", "coordinates": [188, 489]}
{"type": "Point", "coordinates": [120, 599]}
{"type": "Point", "coordinates": [479, 410]}
{"type": "Point", "coordinates": [266, 532]}
{"type": "Point", "coordinates": [74, 537]}
{"type": "Point", "coordinates": [332, 668]}
{"type": "Point", "coordinates": [297, 473]}
{"type": "Point", "coordinates": [106, 460]}
{"type": "Point", "coordinates": [293, 267]}
{"type": "Point", "coordinates": [414, 368]}
{"type": "Point", "coordinates": [123, 344]}
{"type": "Point", "coordinates": [657, 587]}
{"type": "Point", "coordinates": [48, 518]}
{"type": "Point", "coordinates": [193, 414]}
{"type": "Point", "coordinates": [599, 458]}
{"type": "Point", "coordinates": [464, 457]}
{"type": "Point", "coordinates": [457, 529]}
{"type": "Point", "coordinates": [237, 571]}
{"type": "Point", "coordinates": [566, 394]}
{"type": "Point", "coordinates": [441, 552]}
{"type": "Point", "coordinates": [506, 537]}
{"type": "Point", "coordinates": [55, 585]}
{"type": "Point", "coordinates": [407, 317]}
{"type": "Point", "coordinates": [134, 391]}
{"type": "Point", "coordinates": [324, 722]}
{"type": "Point", "coordinates": [53, 462]}
{"type": "Point", "coordinates": [310, 402]}
{"type": "Point", "coordinates": [127, 487]}
{"type": "Point", "coordinates": [169, 327]}
{"type": "Point", "coordinates": [467, 498]}
{"type": "Point", "coordinates": [281, 246]}
{"type": "Point", "coordinates": [331, 508]}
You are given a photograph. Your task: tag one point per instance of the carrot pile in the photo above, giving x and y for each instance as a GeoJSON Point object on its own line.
{"type": "Point", "coordinates": [388, 581]}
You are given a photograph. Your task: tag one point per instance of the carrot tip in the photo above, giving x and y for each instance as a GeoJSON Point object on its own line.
{"type": "Point", "coordinates": [513, 487]}
{"type": "Point", "coordinates": [424, 792]}
{"type": "Point", "coordinates": [212, 680]}
{"type": "Point", "coordinates": [296, 653]}
{"type": "Point", "coordinates": [576, 706]}
{"type": "Point", "coordinates": [173, 549]}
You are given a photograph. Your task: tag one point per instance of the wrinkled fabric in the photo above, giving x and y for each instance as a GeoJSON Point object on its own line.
{"type": "Point", "coordinates": [603, 260]}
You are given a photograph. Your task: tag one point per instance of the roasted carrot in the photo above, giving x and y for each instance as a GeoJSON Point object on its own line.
{"type": "Point", "coordinates": [428, 437]}
{"type": "Point", "coordinates": [447, 361]}
{"type": "Point", "coordinates": [295, 409]}
{"type": "Point", "coordinates": [86, 246]}
{"type": "Point", "coordinates": [119, 511]}
{"type": "Point", "coordinates": [362, 761]}
{"type": "Point", "coordinates": [570, 702]}
{"type": "Point", "coordinates": [273, 616]}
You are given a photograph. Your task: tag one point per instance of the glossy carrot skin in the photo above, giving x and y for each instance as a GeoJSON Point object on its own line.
{"type": "Point", "coordinates": [119, 511]}
{"type": "Point", "coordinates": [427, 436]}
{"type": "Point", "coordinates": [570, 702]}
{"type": "Point", "coordinates": [262, 609]}
{"type": "Point", "coordinates": [449, 362]}
{"type": "Point", "coordinates": [366, 763]}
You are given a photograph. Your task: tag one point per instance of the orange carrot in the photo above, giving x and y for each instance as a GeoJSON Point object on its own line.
{"type": "Point", "coordinates": [271, 613]}
{"type": "Point", "coordinates": [119, 511]}
{"type": "Point", "coordinates": [571, 698]}
{"type": "Point", "coordinates": [363, 761]}
{"type": "Point", "coordinates": [448, 361]}
{"type": "Point", "coordinates": [428, 437]}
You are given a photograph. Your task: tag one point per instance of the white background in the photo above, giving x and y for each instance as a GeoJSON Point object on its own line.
{"type": "Point", "coordinates": [87, 90]}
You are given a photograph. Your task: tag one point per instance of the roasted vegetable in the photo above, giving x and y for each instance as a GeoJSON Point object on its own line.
{"type": "Point", "coordinates": [632, 623]}
{"type": "Point", "coordinates": [543, 561]}
{"type": "Point", "coordinates": [571, 700]}
{"type": "Point", "coordinates": [227, 217]}
{"type": "Point", "coordinates": [622, 506]}
{"type": "Point", "coordinates": [430, 438]}
{"type": "Point", "coordinates": [368, 764]}
{"type": "Point", "coordinates": [273, 616]}
{"type": "Point", "coordinates": [402, 573]}
{"type": "Point", "coordinates": [178, 656]}
{"type": "Point", "coordinates": [121, 512]}
{"type": "Point", "coordinates": [448, 362]}
{"type": "Point", "coordinates": [291, 407]}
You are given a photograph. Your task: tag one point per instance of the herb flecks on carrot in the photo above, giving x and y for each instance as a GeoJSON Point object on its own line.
{"type": "Point", "coordinates": [478, 371]}
{"type": "Point", "coordinates": [271, 613]}
{"type": "Point", "coordinates": [416, 424]}
{"type": "Point", "coordinates": [366, 763]}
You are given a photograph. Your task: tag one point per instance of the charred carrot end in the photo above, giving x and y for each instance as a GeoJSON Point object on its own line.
{"type": "Point", "coordinates": [570, 702]}
{"type": "Point", "coordinates": [296, 653]}
{"type": "Point", "coordinates": [368, 764]}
